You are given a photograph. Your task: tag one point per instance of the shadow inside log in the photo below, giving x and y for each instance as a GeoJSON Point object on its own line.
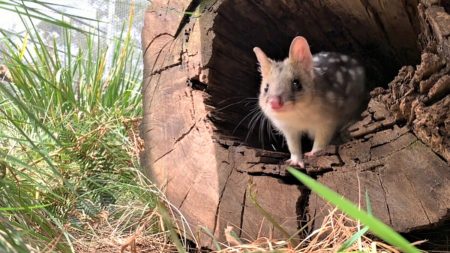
{"type": "Point", "coordinates": [437, 238]}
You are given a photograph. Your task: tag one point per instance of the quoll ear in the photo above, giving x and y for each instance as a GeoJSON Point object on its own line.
{"type": "Point", "coordinates": [263, 60]}
{"type": "Point", "coordinates": [299, 53]}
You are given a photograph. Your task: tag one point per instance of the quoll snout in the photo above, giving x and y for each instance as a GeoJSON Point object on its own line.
{"type": "Point", "coordinates": [276, 103]}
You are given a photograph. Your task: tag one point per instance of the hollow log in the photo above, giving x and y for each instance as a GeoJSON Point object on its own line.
{"type": "Point", "coordinates": [218, 170]}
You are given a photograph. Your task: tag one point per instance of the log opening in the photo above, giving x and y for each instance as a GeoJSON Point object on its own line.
{"type": "Point", "coordinates": [383, 40]}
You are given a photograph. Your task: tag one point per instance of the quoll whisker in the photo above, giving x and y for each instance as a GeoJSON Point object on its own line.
{"type": "Point", "coordinates": [244, 100]}
{"type": "Point", "coordinates": [252, 112]}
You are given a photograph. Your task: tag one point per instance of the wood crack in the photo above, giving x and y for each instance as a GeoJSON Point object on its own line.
{"type": "Point", "coordinates": [385, 199]}
{"type": "Point", "coordinates": [185, 134]}
{"type": "Point", "coordinates": [154, 39]}
{"type": "Point", "coordinates": [168, 152]}
{"type": "Point", "coordinates": [185, 196]}
{"type": "Point", "coordinates": [191, 97]}
{"type": "Point", "coordinates": [420, 201]}
{"type": "Point", "coordinates": [157, 82]}
{"type": "Point", "coordinates": [244, 200]}
{"type": "Point", "coordinates": [222, 191]}
{"type": "Point", "coordinates": [159, 71]}
{"type": "Point", "coordinates": [187, 16]}
{"type": "Point", "coordinates": [176, 141]}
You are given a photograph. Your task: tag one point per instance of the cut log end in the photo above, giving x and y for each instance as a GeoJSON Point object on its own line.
{"type": "Point", "coordinates": [201, 84]}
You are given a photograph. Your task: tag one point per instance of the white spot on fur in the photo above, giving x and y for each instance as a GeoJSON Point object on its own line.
{"type": "Point", "coordinates": [319, 70]}
{"type": "Point", "coordinates": [332, 60]}
{"type": "Point", "coordinates": [339, 77]}
{"type": "Point", "coordinates": [315, 58]}
{"type": "Point", "coordinates": [330, 95]}
{"type": "Point", "coordinates": [352, 73]}
{"type": "Point", "coordinates": [344, 58]}
{"type": "Point", "coordinates": [359, 70]}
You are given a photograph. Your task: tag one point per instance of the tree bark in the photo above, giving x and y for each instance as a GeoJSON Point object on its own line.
{"type": "Point", "coordinates": [201, 81]}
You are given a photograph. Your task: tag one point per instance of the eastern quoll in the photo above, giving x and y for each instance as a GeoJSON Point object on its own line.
{"type": "Point", "coordinates": [309, 94]}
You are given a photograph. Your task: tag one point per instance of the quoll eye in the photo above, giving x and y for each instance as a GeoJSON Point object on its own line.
{"type": "Point", "coordinates": [296, 85]}
{"type": "Point", "coordinates": [266, 89]}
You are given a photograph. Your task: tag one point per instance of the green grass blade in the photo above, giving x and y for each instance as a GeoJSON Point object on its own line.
{"type": "Point", "coordinates": [357, 236]}
{"type": "Point", "coordinates": [213, 238]}
{"type": "Point", "coordinates": [347, 244]}
{"type": "Point", "coordinates": [20, 7]}
{"type": "Point", "coordinates": [171, 228]}
{"type": "Point", "coordinates": [368, 204]}
{"type": "Point", "coordinates": [23, 208]}
{"type": "Point", "coordinates": [377, 227]}
{"type": "Point", "coordinates": [30, 114]}
{"type": "Point", "coordinates": [266, 214]}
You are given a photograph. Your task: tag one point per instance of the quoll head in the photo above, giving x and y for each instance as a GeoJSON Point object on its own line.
{"type": "Point", "coordinates": [287, 83]}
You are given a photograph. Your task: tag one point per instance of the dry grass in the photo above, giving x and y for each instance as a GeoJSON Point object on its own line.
{"type": "Point", "coordinates": [107, 233]}
{"type": "Point", "coordinates": [109, 237]}
{"type": "Point", "coordinates": [142, 244]}
{"type": "Point", "coordinates": [146, 236]}
{"type": "Point", "coordinates": [335, 230]}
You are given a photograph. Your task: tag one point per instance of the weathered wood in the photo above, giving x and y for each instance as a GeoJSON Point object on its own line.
{"type": "Point", "coordinates": [414, 180]}
{"type": "Point", "coordinates": [200, 85]}
{"type": "Point", "coordinates": [405, 180]}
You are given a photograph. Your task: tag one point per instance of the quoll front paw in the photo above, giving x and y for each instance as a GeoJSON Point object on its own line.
{"type": "Point", "coordinates": [313, 152]}
{"type": "Point", "coordinates": [310, 153]}
{"type": "Point", "coordinates": [296, 161]}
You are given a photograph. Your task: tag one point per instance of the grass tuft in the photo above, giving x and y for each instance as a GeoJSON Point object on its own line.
{"type": "Point", "coordinates": [69, 144]}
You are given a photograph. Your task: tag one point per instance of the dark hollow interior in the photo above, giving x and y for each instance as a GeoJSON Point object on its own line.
{"type": "Point", "coordinates": [383, 38]}
{"type": "Point", "coordinates": [437, 238]}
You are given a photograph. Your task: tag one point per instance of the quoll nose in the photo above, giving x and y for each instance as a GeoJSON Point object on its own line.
{"type": "Point", "coordinates": [275, 102]}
